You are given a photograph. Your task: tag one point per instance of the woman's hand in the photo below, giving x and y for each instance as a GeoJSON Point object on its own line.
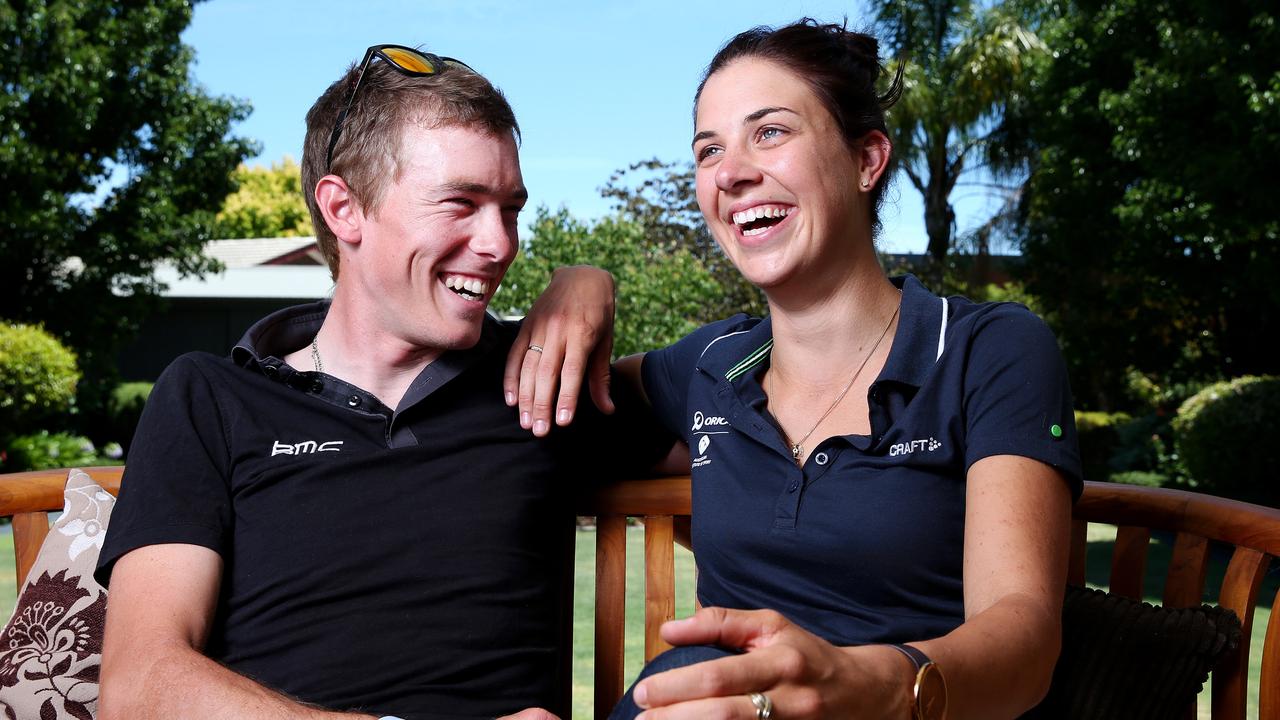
{"type": "Point", "coordinates": [803, 675]}
{"type": "Point", "coordinates": [572, 324]}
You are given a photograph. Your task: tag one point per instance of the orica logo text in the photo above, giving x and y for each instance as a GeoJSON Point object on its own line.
{"type": "Point", "coordinates": [700, 421]}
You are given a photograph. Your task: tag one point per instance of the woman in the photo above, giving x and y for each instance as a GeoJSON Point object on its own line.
{"type": "Point", "coordinates": [872, 464]}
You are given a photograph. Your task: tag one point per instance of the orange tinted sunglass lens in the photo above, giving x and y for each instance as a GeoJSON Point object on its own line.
{"type": "Point", "coordinates": [408, 60]}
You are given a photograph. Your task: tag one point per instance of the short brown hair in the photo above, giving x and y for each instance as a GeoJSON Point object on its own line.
{"type": "Point", "coordinates": [367, 155]}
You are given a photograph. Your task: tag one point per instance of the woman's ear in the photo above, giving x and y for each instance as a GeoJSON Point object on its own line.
{"type": "Point", "coordinates": [339, 208]}
{"type": "Point", "coordinates": [873, 159]}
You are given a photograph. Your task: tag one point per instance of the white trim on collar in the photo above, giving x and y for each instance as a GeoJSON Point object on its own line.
{"type": "Point", "coordinates": [942, 331]}
{"type": "Point", "coordinates": [713, 342]}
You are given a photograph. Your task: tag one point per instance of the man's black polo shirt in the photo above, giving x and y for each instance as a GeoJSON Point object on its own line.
{"type": "Point", "coordinates": [406, 562]}
{"type": "Point", "coordinates": [864, 543]}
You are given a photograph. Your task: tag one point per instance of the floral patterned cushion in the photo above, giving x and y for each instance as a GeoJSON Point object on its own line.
{"type": "Point", "coordinates": [52, 646]}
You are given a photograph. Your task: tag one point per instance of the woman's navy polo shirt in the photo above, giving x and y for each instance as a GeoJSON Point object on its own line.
{"type": "Point", "coordinates": [865, 542]}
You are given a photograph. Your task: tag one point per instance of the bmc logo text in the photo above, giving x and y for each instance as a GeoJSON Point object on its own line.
{"type": "Point", "coordinates": [305, 448]}
{"type": "Point", "coordinates": [699, 421]}
{"type": "Point", "coordinates": [906, 448]}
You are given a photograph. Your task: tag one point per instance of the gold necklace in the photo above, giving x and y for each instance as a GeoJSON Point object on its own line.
{"type": "Point", "coordinates": [797, 448]}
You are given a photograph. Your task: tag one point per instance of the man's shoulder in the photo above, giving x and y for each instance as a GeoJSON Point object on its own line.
{"type": "Point", "coordinates": [197, 364]}
{"type": "Point", "coordinates": [217, 375]}
{"type": "Point", "coordinates": [501, 331]}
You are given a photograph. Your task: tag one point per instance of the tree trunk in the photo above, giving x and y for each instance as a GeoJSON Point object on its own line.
{"type": "Point", "coordinates": [939, 218]}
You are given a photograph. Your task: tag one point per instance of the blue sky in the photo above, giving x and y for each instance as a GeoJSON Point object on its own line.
{"type": "Point", "coordinates": [596, 86]}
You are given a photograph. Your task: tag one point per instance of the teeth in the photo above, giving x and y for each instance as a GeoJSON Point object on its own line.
{"type": "Point", "coordinates": [760, 211]}
{"type": "Point", "coordinates": [473, 286]}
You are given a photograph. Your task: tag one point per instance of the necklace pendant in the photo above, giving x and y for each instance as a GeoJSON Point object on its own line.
{"type": "Point", "coordinates": [795, 452]}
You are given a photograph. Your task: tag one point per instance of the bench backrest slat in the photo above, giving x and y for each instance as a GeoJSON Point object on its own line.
{"type": "Point", "coordinates": [1269, 677]}
{"type": "Point", "coordinates": [1184, 583]}
{"type": "Point", "coordinates": [1239, 593]}
{"type": "Point", "coordinates": [659, 579]}
{"type": "Point", "coordinates": [611, 598]}
{"type": "Point", "coordinates": [29, 531]}
{"type": "Point", "coordinates": [1129, 561]}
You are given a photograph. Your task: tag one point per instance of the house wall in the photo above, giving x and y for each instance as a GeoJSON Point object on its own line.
{"type": "Point", "coordinates": [188, 324]}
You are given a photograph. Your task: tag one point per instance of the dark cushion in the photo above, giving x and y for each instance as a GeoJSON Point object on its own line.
{"type": "Point", "coordinates": [1127, 659]}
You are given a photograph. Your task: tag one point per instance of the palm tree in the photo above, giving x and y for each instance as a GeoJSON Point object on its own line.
{"type": "Point", "coordinates": [963, 65]}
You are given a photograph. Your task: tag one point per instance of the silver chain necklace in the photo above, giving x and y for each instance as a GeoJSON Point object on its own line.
{"type": "Point", "coordinates": [315, 354]}
{"type": "Point", "coordinates": [797, 447]}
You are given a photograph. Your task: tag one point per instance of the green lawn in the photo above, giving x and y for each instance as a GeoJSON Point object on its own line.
{"type": "Point", "coordinates": [1100, 542]}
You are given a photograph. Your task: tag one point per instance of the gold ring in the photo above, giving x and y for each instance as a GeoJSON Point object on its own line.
{"type": "Point", "coordinates": [764, 706]}
{"type": "Point", "coordinates": [535, 348]}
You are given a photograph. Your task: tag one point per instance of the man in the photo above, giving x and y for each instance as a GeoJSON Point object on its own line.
{"type": "Point", "coordinates": [345, 516]}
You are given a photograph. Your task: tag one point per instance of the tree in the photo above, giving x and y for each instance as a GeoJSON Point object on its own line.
{"type": "Point", "coordinates": [962, 64]}
{"type": "Point", "coordinates": [661, 293]}
{"type": "Point", "coordinates": [1149, 224]}
{"type": "Point", "coordinates": [268, 203]}
{"type": "Point", "coordinates": [661, 197]}
{"type": "Point", "coordinates": [112, 160]}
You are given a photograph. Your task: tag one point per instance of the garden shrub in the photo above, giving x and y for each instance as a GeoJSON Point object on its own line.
{"type": "Point", "coordinates": [38, 377]}
{"type": "Point", "coordinates": [1143, 444]}
{"type": "Point", "coordinates": [1222, 439]}
{"type": "Point", "coordinates": [1140, 477]}
{"type": "Point", "coordinates": [1099, 437]}
{"type": "Point", "coordinates": [127, 401]}
{"type": "Point", "coordinates": [44, 450]}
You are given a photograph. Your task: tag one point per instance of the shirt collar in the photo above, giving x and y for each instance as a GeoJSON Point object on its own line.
{"type": "Point", "coordinates": [916, 345]}
{"type": "Point", "coordinates": [734, 355]}
{"type": "Point", "coordinates": [293, 328]}
{"type": "Point", "coordinates": [279, 333]}
{"type": "Point", "coordinates": [919, 340]}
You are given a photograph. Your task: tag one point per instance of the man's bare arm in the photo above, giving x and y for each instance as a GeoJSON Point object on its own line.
{"type": "Point", "coordinates": [163, 599]}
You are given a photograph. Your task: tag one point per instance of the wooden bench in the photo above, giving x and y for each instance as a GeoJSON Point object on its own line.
{"type": "Point", "coordinates": [1196, 522]}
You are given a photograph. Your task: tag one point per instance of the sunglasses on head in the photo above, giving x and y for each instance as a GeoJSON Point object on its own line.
{"type": "Point", "coordinates": [406, 60]}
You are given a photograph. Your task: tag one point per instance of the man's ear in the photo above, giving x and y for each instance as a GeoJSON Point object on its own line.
{"type": "Point", "coordinates": [339, 208]}
{"type": "Point", "coordinates": [873, 158]}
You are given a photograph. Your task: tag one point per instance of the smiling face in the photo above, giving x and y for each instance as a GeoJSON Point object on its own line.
{"type": "Point", "coordinates": [427, 262]}
{"type": "Point", "coordinates": [777, 183]}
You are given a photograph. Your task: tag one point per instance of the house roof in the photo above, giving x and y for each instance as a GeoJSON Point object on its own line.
{"type": "Point", "coordinates": [251, 252]}
{"type": "Point", "coordinates": [299, 282]}
{"type": "Point", "coordinates": [264, 268]}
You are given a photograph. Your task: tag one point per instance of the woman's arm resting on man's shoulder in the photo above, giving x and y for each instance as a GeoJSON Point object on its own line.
{"type": "Point", "coordinates": [997, 664]}
{"type": "Point", "coordinates": [572, 323]}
